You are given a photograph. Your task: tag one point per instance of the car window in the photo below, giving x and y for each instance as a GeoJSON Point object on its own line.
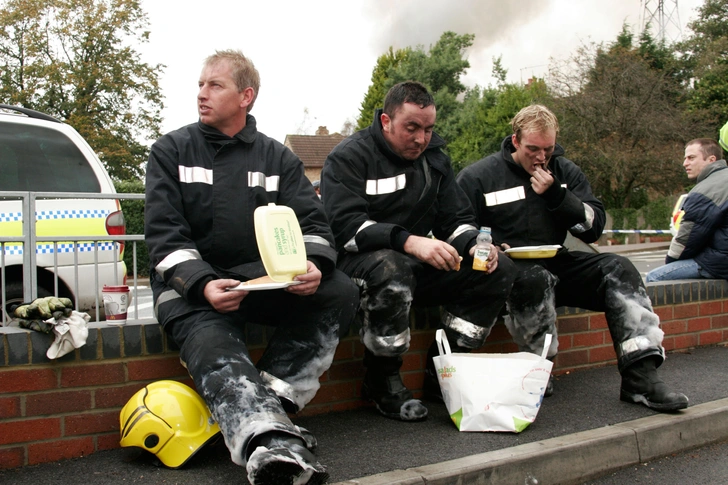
{"type": "Point", "coordinates": [35, 158]}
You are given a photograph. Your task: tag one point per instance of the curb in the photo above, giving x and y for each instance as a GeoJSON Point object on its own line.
{"type": "Point", "coordinates": [573, 458]}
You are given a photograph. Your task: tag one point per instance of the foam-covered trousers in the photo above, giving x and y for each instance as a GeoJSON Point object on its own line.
{"type": "Point", "coordinates": [390, 282]}
{"type": "Point", "coordinates": [243, 397]}
{"type": "Point", "coordinates": [606, 282]}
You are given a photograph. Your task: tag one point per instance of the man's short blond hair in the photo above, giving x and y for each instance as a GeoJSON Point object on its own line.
{"type": "Point", "coordinates": [536, 118]}
{"type": "Point", "coordinates": [244, 72]}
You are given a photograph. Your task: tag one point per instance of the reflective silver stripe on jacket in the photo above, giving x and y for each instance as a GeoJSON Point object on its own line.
{"type": "Point", "coordinates": [316, 240]}
{"type": "Point", "coordinates": [464, 327]}
{"type": "Point", "coordinates": [504, 196]}
{"type": "Point", "coordinates": [191, 175]}
{"type": "Point", "coordinates": [351, 244]}
{"type": "Point", "coordinates": [460, 229]}
{"type": "Point", "coordinates": [258, 179]}
{"type": "Point", "coordinates": [634, 344]}
{"type": "Point", "coordinates": [166, 296]}
{"type": "Point", "coordinates": [176, 258]}
{"type": "Point", "coordinates": [587, 224]}
{"type": "Point", "coordinates": [386, 186]}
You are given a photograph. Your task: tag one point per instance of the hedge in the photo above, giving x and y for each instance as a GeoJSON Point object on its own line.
{"type": "Point", "coordinates": [134, 216]}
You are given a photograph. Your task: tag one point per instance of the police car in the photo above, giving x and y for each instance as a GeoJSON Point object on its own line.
{"type": "Point", "coordinates": [39, 153]}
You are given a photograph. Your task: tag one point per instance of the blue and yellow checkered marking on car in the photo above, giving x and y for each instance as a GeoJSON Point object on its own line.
{"type": "Point", "coordinates": [61, 223]}
{"type": "Point", "coordinates": [11, 217]}
{"type": "Point", "coordinates": [57, 214]}
{"type": "Point", "coordinates": [15, 249]}
{"type": "Point", "coordinates": [72, 214]}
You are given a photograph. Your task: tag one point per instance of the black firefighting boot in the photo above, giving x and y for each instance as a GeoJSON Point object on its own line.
{"type": "Point", "coordinates": [384, 386]}
{"type": "Point", "coordinates": [641, 384]}
{"type": "Point", "coordinates": [550, 385]}
{"type": "Point", "coordinates": [431, 386]}
{"type": "Point", "coordinates": [278, 458]}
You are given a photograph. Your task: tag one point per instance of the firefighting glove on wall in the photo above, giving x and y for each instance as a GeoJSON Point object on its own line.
{"type": "Point", "coordinates": [32, 315]}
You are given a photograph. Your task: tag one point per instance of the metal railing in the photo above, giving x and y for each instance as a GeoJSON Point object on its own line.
{"type": "Point", "coordinates": [29, 239]}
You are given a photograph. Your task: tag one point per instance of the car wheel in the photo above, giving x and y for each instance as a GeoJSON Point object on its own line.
{"type": "Point", "coordinates": [14, 293]}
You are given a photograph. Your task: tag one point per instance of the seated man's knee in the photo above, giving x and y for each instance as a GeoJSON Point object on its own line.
{"type": "Point", "coordinates": [532, 283]}
{"type": "Point", "coordinates": [390, 266]}
{"type": "Point", "coordinates": [388, 290]}
{"type": "Point", "coordinates": [620, 269]}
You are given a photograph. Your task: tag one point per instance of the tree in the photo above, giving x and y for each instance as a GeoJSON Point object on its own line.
{"type": "Point", "coordinates": [705, 60]}
{"type": "Point", "coordinates": [622, 120]}
{"type": "Point", "coordinates": [499, 72]}
{"type": "Point", "coordinates": [348, 128]}
{"type": "Point", "coordinates": [380, 85]}
{"type": "Point", "coordinates": [484, 119]}
{"type": "Point", "coordinates": [74, 60]}
{"type": "Point", "coordinates": [439, 69]}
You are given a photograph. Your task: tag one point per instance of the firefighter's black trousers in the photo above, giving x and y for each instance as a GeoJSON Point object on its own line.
{"type": "Point", "coordinates": [605, 282]}
{"type": "Point", "coordinates": [243, 397]}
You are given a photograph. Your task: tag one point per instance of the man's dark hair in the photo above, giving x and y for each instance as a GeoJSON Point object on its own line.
{"type": "Point", "coordinates": [407, 92]}
{"type": "Point", "coordinates": [708, 147]}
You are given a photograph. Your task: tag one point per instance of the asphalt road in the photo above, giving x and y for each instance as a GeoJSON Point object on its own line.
{"type": "Point", "coordinates": [646, 261]}
{"type": "Point", "coordinates": [705, 465]}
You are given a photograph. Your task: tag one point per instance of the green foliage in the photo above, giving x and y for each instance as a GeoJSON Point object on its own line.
{"type": "Point", "coordinates": [499, 72]}
{"type": "Point", "coordinates": [625, 37]}
{"type": "Point", "coordinates": [134, 217]}
{"type": "Point", "coordinates": [656, 53]}
{"type": "Point", "coordinates": [705, 63]}
{"type": "Point", "coordinates": [653, 215]}
{"type": "Point", "coordinates": [380, 85]}
{"type": "Point", "coordinates": [485, 119]}
{"type": "Point", "coordinates": [623, 119]}
{"type": "Point", "coordinates": [439, 69]}
{"type": "Point", "coordinates": [75, 59]}
{"type": "Point", "coordinates": [658, 212]}
{"type": "Point", "coordinates": [472, 127]}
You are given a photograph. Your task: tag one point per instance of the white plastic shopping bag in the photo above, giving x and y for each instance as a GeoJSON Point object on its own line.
{"type": "Point", "coordinates": [492, 392]}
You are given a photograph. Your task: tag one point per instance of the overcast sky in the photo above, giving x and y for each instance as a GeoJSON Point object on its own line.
{"type": "Point", "coordinates": [318, 55]}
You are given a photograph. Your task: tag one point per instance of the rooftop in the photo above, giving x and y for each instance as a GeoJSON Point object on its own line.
{"type": "Point", "coordinates": [313, 149]}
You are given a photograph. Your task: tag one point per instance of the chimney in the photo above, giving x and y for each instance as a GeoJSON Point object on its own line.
{"type": "Point", "coordinates": [322, 131]}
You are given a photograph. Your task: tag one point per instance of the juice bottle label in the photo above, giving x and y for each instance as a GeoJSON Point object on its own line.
{"type": "Point", "coordinates": [480, 259]}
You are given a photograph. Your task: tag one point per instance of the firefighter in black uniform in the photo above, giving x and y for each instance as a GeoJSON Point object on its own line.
{"type": "Point", "coordinates": [203, 184]}
{"type": "Point", "coordinates": [531, 195]}
{"type": "Point", "coordinates": [385, 189]}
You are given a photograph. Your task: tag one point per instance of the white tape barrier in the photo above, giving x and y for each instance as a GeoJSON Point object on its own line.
{"type": "Point", "coordinates": [638, 231]}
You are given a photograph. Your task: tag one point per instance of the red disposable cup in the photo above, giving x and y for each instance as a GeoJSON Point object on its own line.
{"type": "Point", "coordinates": [116, 303]}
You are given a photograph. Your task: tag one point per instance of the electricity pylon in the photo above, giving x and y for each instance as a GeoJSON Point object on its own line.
{"type": "Point", "coordinates": [664, 19]}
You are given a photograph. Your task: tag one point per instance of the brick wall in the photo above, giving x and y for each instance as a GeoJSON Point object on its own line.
{"type": "Point", "coordinates": [52, 410]}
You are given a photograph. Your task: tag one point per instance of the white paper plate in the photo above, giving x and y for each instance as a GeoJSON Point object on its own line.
{"type": "Point", "coordinates": [533, 252]}
{"type": "Point", "coordinates": [264, 286]}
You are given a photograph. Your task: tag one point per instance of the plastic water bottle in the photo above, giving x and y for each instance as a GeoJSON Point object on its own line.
{"type": "Point", "coordinates": [482, 249]}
